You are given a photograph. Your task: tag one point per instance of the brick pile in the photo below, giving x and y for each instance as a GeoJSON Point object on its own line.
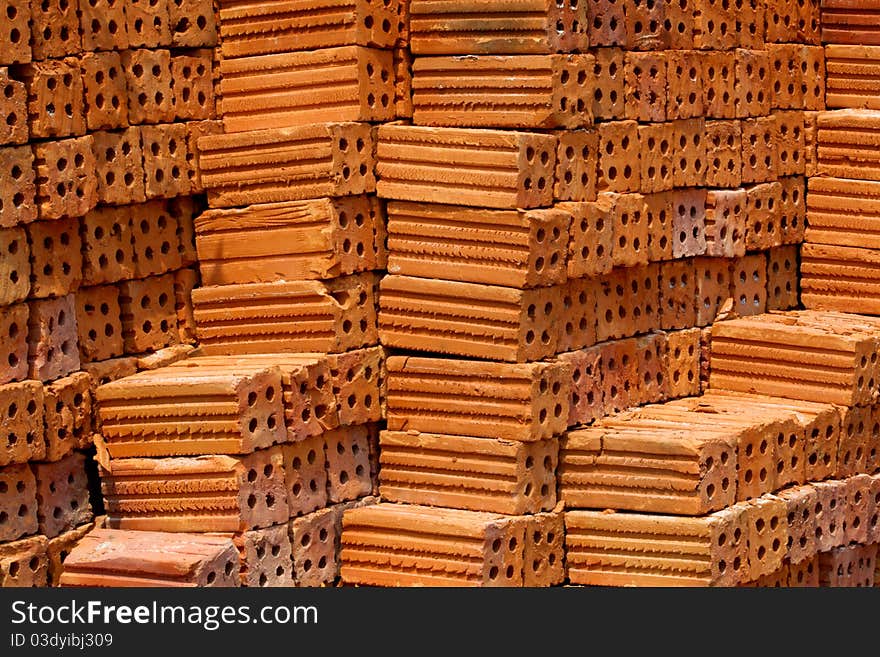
{"type": "Point", "coordinates": [101, 104]}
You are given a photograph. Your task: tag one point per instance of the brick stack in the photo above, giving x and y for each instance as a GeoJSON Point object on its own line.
{"type": "Point", "coordinates": [101, 102]}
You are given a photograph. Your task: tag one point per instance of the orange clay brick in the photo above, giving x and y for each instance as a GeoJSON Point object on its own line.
{"type": "Point", "coordinates": [103, 25]}
{"type": "Point", "coordinates": [54, 29]}
{"type": "Point", "coordinates": [767, 534]}
{"type": "Point", "coordinates": [15, 29]}
{"type": "Point", "coordinates": [606, 21]}
{"type": "Point", "coordinates": [726, 223]}
{"type": "Point", "coordinates": [14, 109]}
{"type": "Point", "coordinates": [195, 130]}
{"type": "Point", "coordinates": [591, 237]}
{"type": "Point", "coordinates": [347, 451]}
{"type": "Point", "coordinates": [17, 189]}
{"type": "Point", "coordinates": [482, 27]}
{"type": "Point", "coordinates": [403, 63]}
{"type": "Point", "coordinates": [184, 209]}
{"type": "Point", "coordinates": [628, 302]}
{"type": "Point", "coordinates": [62, 495]}
{"type": "Point", "coordinates": [793, 211]}
{"type": "Point", "coordinates": [855, 428]}
{"type": "Point", "coordinates": [646, 86]}
{"type": "Point", "coordinates": [751, 22]}
{"type": "Point", "coordinates": [715, 26]}
{"type": "Point", "coordinates": [165, 161]}
{"type": "Point", "coordinates": [813, 73]}
{"type": "Point", "coordinates": [786, 76]}
{"type": "Point", "coordinates": [193, 85]}
{"type": "Point", "coordinates": [620, 382]}
{"type": "Point", "coordinates": [719, 84]}
{"type": "Point", "coordinates": [800, 502]}
{"type": "Point", "coordinates": [106, 95]}
{"type": "Point", "coordinates": [52, 338]}
{"type": "Point", "coordinates": [683, 354]}
{"type": "Point", "coordinates": [677, 294]}
{"type": "Point", "coordinates": [148, 23]}
{"type": "Point", "coordinates": [763, 216]}
{"type": "Point", "coordinates": [13, 353]}
{"type": "Point", "coordinates": [630, 229]}
{"type": "Point", "coordinates": [55, 98]}
{"type": "Point", "coordinates": [358, 380]}
{"type": "Point", "coordinates": [148, 76]}
{"type": "Point", "coordinates": [514, 248]}
{"type": "Point", "coordinates": [749, 284]}
{"type": "Point", "coordinates": [154, 239]}
{"type": "Point", "coordinates": [68, 415]}
{"type": "Point", "coordinates": [193, 23]}
{"type": "Point", "coordinates": [686, 93]}
{"type": "Point", "coordinates": [120, 168]}
{"type": "Point", "coordinates": [23, 563]}
{"type": "Point", "coordinates": [658, 209]}
{"type": "Point", "coordinates": [577, 165]}
{"type": "Point", "coordinates": [678, 25]}
{"type": "Point", "coordinates": [619, 162]}
{"type": "Point", "coordinates": [644, 25]}
{"type": "Point", "coordinates": [56, 258]}
{"type": "Point", "coordinates": [15, 267]}
{"type": "Point", "coordinates": [149, 321]}
{"type": "Point", "coordinates": [98, 323]}
{"type": "Point", "coordinates": [689, 144]}
{"type": "Point", "coordinates": [586, 404]}
{"type": "Point", "coordinates": [712, 288]}
{"type": "Point", "coordinates": [652, 365]}
{"type": "Point", "coordinates": [829, 513]}
{"type": "Point", "coordinates": [578, 326]}
{"type": "Point", "coordinates": [524, 402]}
{"type": "Point", "coordinates": [609, 95]}
{"type": "Point", "coordinates": [22, 404]}
{"type": "Point", "coordinates": [656, 157]}
{"type": "Point", "coordinates": [18, 502]}
{"type": "Point", "coordinates": [265, 557]}
{"type": "Point", "coordinates": [782, 284]}
{"type": "Point", "coordinates": [790, 143]}
{"type": "Point", "coordinates": [752, 96]}
{"type": "Point", "coordinates": [723, 153]}
{"type": "Point", "coordinates": [107, 246]}
{"type": "Point", "coordinates": [688, 223]}
{"type": "Point", "coordinates": [66, 184]}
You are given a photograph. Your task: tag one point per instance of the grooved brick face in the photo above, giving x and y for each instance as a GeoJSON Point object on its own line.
{"type": "Point", "coordinates": [591, 237]}
{"type": "Point", "coordinates": [108, 254]}
{"type": "Point", "coordinates": [17, 189]}
{"type": "Point", "coordinates": [106, 94]}
{"type": "Point", "coordinates": [619, 162]}
{"type": "Point", "coordinates": [193, 23]}
{"type": "Point", "coordinates": [726, 212]}
{"type": "Point", "coordinates": [577, 162]}
{"type": "Point", "coordinates": [749, 284]}
{"type": "Point", "coordinates": [149, 319]}
{"type": "Point", "coordinates": [607, 22]}
{"type": "Point", "coordinates": [712, 276]}
{"type": "Point", "coordinates": [23, 564]}
{"type": "Point", "coordinates": [98, 323]}
{"type": "Point", "coordinates": [403, 63]}
{"type": "Point", "coordinates": [54, 28]}
{"type": "Point", "coordinates": [196, 130]}
{"type": "Point", "coordinates": [265, 557]}
{"type": "Point", "coordinates": [53, 351]}
{"type": "Point", "coordinates": [68, 415]}
{"type": "Point", "coordinates": [13, 108]}
{"type": "Point", "coordinates": [22, 407]}
{"type": "Point", "coordinates": [165, 160]}
{"type": "Point", "coordinates": [677, 294]}
{"type": "Point", "coordinates": [18, 502]}
{"type": "Point", "coordinates": [14, 266]}
{"type": "Point", "coordinates": [723, 153]}
{"type": "Point", "coordinates": [55, 98]}
{"type": "Point", "coordinates": [686, 93]}
{"type": "Point", "coordinates": [62, 495]}
{"type": "Point", "coordinates": [103, 25]}
{"type": "Point", "coordinates": [689, 223]}
{"type": "Point", "coordinates": [689, 148]}
{"type": "Point", "coordinates": [154, 238]}
{"type": "Point", "coordinates": [609, 94]}
{"type": "Point", "coordinates": [15, 31]}
{"type": "Point", "coordinates": [120, 168]}
{"type": "Point", "coordinates": [763, 210]}
{"type": "Point", "coordinates": [66, 183]}
{"type": "Point", "coordinates": [148, 77]}
{"type": "Point", "coordinates": [148, 23]}
{"type": "Point", "coordinates": [13, 346]}
{"type": "Point", "coordinates": [305, 475]}
{"type": "Point", "coordinates": [646, 86]}
{"type": "Point", "coordinates": [656, 157]}
{"type": "Point", "coordinates": [719, 84]}
{"type": "Point", "coordinates": [193, 85]}
{"type": "Point", "coordinates": [658, 211]}
{"type": "Point", "coordinates": [56, 258]}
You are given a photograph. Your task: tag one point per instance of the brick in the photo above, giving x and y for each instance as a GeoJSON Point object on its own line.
{"type": "Point", "coordinates": [103, 25]}
{"type": "Point", "coordinates": [808, 21]}
{"type": "Point", "coordinates": [628, 302]}
{"type": "Point", "coordinates": [630, 229]}
{"type": "Point", "coordinates": [15, 268]}
{"type": "Point", "coordinates": [154, 239]}
{"type": "Point", "coordinates": [348, 465]}
{"type": "Point", "coordinates": [537, 27]}
{"type": "Point", "coordinates": [860, 506]}
{"type": "Point", "coordinates": [677, 294]}
{"type": "Point", "coordinates": [424, 394]}
{"type": "Point", "coordinates": [544, 551]}
{"type": "Point", "coordinates": [491, 475]}
{"type": "Point", "coordinates": [23, 563]}
{"type": "Point", "coordinates": [104, 86]}
{"type": "Point", "coordinates": [60, 547]}
{"type": "Point", "coordinates": [195, 131]}
{"type": "Point", "coordinates": [845, 149]}
{"type": "Point", "coordinates": [18, 502]}
{"type": "Point", "coordinates": [55, 257]}
{"type": "Point", "coordinates": [403, 63]}
{"type": "Point", "coordinates": [763, 216]}
{"type": "Point", "coordinates": [659, 218]}
{"type": "Point", "coordinates": [829, 511]}
{"type": "Point", "coordinates": [165, 162]}
{"type": "Point", "coordinates": [358, 383]}
{"type": "Point", "coordinates": [62, 495]}
{"type": "Point", "coordinates": [305, 475]}
{"type": "Point", "coordinates": [99, 326]}
{"type": "Point", "coordinates": [193, 23]}
{"type": "Point", "coordinates": [749, 284]}
{"type": "Point", "coordinates": [207, 493]}
{"type": "Point", "coordinates": [55, 98]}
{"type": "Point", "coordinates": [17, 189]}
{"type": "Point", "coordinates": [257, 29]}
{"type": "Point", "coordinates": [813, 73]}
{"type": "Point", "coordinates": [656, 157]}
{"type": "Point", "coordinates": [724, 151]}
{"type": "Point", "coordinates": [55, 29]}
{"type": "Point", "coordinates": [107, 246]}
{"type": "Point", "coordinates": [751, 22]}
{"type": "Point", "coordinates": [855, 427]}
{"type": "Point", "coordinates": [265, 557]}
{"type": "Point", "coordinates": [775, 339]}
{"type": "Point", "coordinates": [767, 535]}
{"type": "Point", "coordinates": [13, 354]}
{"type": "Point", "coordinates": [14, 109]}
{"type": "Point", "coordinates": [15, 28]}
{"type": "Point", "coordinates": [752, 98]}
{"type": "Point", "coordinates": [781, 22]}
{"type": "Point", "coordinates": [874, 519]}
{"type": "Point", "coordinates": [712, 277]}
{"type": "Point", "coordinates": [184, 210]}
{"type": "Point", "coordinates": [185, 280]}
{"type": "Point", "coordinates": [811, 152]}
{"type": "Point", "coordinates": [453, 547]}
{"type": "Point", "coordinates": [689, 223]}
{"type": "Point", "coordinates": [652, 365]}
{"type": "Point", "coordinates": [644, 25]}
{"type": "Point", "coordinates": [501, 247]}
{"type": "Point", "coordinates": [103, 558]}
{"type": "Point", "coordinates": [586, 404]}
{"type": "Point", "coordinates": [591, 237]}
{"type": "Point", "coordinates": [148, 23]}
{"type": "Point", "coordinates": [120, 168]}
{"type": "Point", "coordinates": [193, 86]}
{"type": "Point", "coordinates": [848, 566]}
{"type": "Point", "coordinates": [249, 415]}
{"type": "Point", "coordinates": [642, 282]}
{"type": "Point", "coordinates": [683, 353]}
{"type": "Point", "coordinates": [453, 318]}
{"type": "Point", "coordinates": [577, 165]}
{"type": "Point", "coordinates": [315, 540]}
{"type": "Point", "coordinates": [66, 183]}
{"type": "Point", "coordinates": [578, 326]}
{"type": "Point", "coordinates": [68, 415]}
{"type": "Point", "coordinates": [786, 76]}
{"type": "Point", "coordinates": [678, 25]}
{"type": "Point", "coordinates": [782, 286]}
{"type": "Point", "coordinates": [610, 74]}
{"type": "Point", "coordinates": [719, 84]}
{"type": "Point", "coordinates": [629, 549]}
{"type": "Point", "coordinates": [620, 383]}
{"type": "Point", "coordinates": [646, 86]}
{"type": "Point", "coordinates": [686, 97]}
{"type": "Point", "coordinates": [689, 167]}
{"type": "Point", "coordinates": [790, 143]}
{"type": "Point", "coordinates": [149, 320]}
{"type": "Point", "coordinates": [52, 338]}
{"type": "Point", "coordinates": [793, 211]}
{"type": "Point", "coordinates": [726, 213]}
{"type": "Point", "coordinates": [341, 316]}
{"type": "Point", "coordinates": [333, 148]}
{"type": "Point", "coordinates": [872, 449]}
{"type": "Point", "coordinates": [105, 371]}
{"type": "Point", "coordinates": [619, 164]}
{"type": "Point", "coordinates": [828, 274]}
{"type": "Point", "coordinates": [606, 22]}
{"type": "Point", "coordinates": [715, 26]}
{"type": "Point", "coordinates": [800, 502]}
{"type": "Point", "coordinates": [149, 83]}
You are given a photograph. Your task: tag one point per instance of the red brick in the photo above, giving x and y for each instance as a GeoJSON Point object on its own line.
{"type": "Point", "coordinates": [829, 511]}
{"type": "Point", "coordinates": [855, 432]}
{"type": "Point", "coordinates": [749, 284]}
{"type": "Point", "coordinates": [184, 282]}
{"type": "Point", "coordinates": [763, 216]}
{"type": "Point", "coordinates": [630, 229]}
{"type": "Point", "coordinates": [193, 85]}
{"type": "Point", "coordinates": [652, 367]}
{"type": "Point", "coordinates": [683, 354]}
{"type": "Point", "coordinates": [715, 26]}
{"type": "Point", "coordinates": [402, 61]}
{"type": "Point", "coordinates": [52, 351]}
{"type": "Point", "coordinates": [813, 74]}
{"type": "Point", "coordinates": [679, 25]}
{"type": "Point", "coordinates": [55, 98]}
{"type": "Point", "coordinates": [726, 213]}
{"type": "Point", "coordinates": [108, 255]}
{"type": "Point", "coordinates": [98, 323]}
{"type": "Point", "coordinates": [760, 154]}
{"type": "Point", "coordinates": [677, 294]}
{"type": "Point", "coordinates": [305, 475]}
{"type": "Point", "coordinates": [183, 210]}
{"type": "Point", "coordinates": [18, 502]}
{"type": "Point", "coordinates": [644, 304]}
{"type": "Point", "coordinates": [106, 95]}
{"type": "Point", "coordinates": [348, 463]}
{"type": "Point", "coordinates": [713, 288]}
{"type": "Point", "coordinates": [751, 22]}
{"type": "Point", "coordinates": [659, 216]}
{"type": "Point", "coordinates": [688, 223]}
{"type": "Point", "coordinates": [577, 163]}
{"type": "Point", "coordinates": [62, 495]}
{"type": "Point", "coordinates": [620, 376]}
{"type": "Point", "coordinates": [154, 239]}
{"type": "Point", "coordinates": [148, 75]}
{"type": "Point", "coordinates": [68, 415]}
{"type": "Point", "coordinates": [14, 109]}
{"type": "Point", "coordinates": [587, 403]}
{"type": "Point", "coordinates": [148, 23]}
{"type": "Point", "coordinates": [609, 97]}
{"type": "Point", "coordinates": [591, 237]}
{"type": "Point", "coordinates": [149, 319]}
{"type": "Point", "coordinates": [792, 210]}
{"type": "Point", "coordinates": [644, 25]}
{"type": "Point", "coordinates": [15, 30]}
{"type": "Point", "coordinates": [54, 28]}
{"type": "Point", "coordinates": [165, 161]}
{"type": "Point", "coordinates": [17, 189]}
{"type": "Point", "coordinates": [752, 76]}
{"type": "Point", "coordinates": [265, 557]}
{"type": "Point", "coordinates": [719, 80]}
{"type": "Point", "coordinates": [656, 157]}
{"type": "Point", "coordinates": [103, 25]}
{"type": "Point", "coordinates": [786, 76]}
{"type": "Point", "coordinates": [790, 143]}
{"type": "Point", "coordinates": [195, 130]}
{"type": "Point", "coordinates": [120, 166]}
{"type": "Point", "coordinates": [22, 405]}
{"type": "Point", "coordinates": [13, 353]}
{"type": "Point", "coordinates": [800, 502]}
{"type": "Point", "coordinates": [66, 183]}
{"type": "Point", "coordinates": [689, 167]}
{"type": "Point", "coordinates": [578, 326]}
{"type": "Point", "coordinates": [619, 166]}
{"type": "Point", "coordinates": [614, 306]}
{"type": "Point", "coordinates": [686, 98]}
{"type": "Point", "coordinates": [781, 21]}
{"type": "Point", "coordinates": [782, 284]}
{"type": "Point", "coordinates": [607, 23]}
{"type": "Point", "coordinates": [23, 563]}
{"type": "Point", "coordinates": [646, 86]}
{"type": "Point", "coordinates": [723, 153]}
{"type": "Point", "coordinates": [193, 23]}
{"type": "Point", "coordinates": [56, 257]}
{"type": "Point", "coordinates": [15, 268]}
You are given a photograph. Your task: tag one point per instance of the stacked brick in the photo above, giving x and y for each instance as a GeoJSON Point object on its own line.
{"type": "Point", "coordinates": [100, 104]}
